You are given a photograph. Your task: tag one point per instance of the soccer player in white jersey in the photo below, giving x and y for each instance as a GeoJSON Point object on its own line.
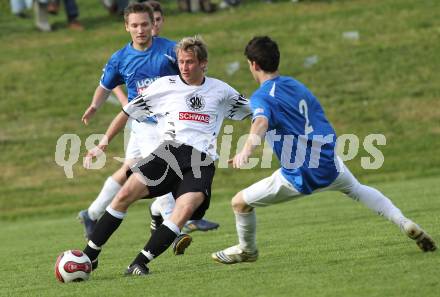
{"type": "Point", "coordinates": [162, 207]}
{"type": "Point", "coordinates": [293, 121]}
{"type": "Point", "coordinates": [190, 109]}
{"type": "Point", "coordinates": [146, 58]}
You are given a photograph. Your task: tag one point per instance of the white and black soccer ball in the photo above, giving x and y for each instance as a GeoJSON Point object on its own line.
{"type": "Point", "coordinates": [72, 266]}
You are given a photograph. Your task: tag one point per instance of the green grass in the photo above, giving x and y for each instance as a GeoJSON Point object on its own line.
{"type": "Point", "coordinates": [387, 82]}
{"type": "Point", "coordinates": [325, 245]}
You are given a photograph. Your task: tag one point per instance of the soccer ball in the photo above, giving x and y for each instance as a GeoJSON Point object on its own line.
{"type": "Point", "coordinates": [72, 266]}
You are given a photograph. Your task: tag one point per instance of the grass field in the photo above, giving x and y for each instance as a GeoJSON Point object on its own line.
{"type": "Point", "coordinates": [327, 246]}
{"type": "Point", "coordinates": [386, 82]}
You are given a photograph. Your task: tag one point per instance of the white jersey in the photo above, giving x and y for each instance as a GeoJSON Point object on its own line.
{"type": "Point", "coordinates": [192, 115]}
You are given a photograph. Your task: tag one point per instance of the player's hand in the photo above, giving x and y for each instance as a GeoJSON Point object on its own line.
{"type": "Point", "coordinates": [241, 159]}
{"type": "Point", "coordinates": [88, 114]}
{"type": "Point", "coordinates": [93, 153]}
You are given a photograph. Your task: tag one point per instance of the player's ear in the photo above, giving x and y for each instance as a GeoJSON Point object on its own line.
{"type": "Point", "coordinates": [253, 65]}
{"type": "Point", "coordinates": [256, 66]}
{"type": "Point", "coordinates": [204, 65]}
{"type": "Point", "coordinates": [126, 27]}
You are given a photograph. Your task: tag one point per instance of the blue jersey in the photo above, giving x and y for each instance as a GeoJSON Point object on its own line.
{"type": "Point", "coordinates": [138, 69]}
{"type": "Point", "coordinates": [301, 136]}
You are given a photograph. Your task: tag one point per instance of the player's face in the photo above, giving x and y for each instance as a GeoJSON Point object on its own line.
{"type": "Point", "coordinates": [191, 69]}
{"type": "Point", "coordinates": [139, 25]}
{"type": "Point", "coordinates": [158, 22]}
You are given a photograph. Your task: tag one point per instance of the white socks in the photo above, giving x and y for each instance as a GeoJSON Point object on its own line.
{"type": "Point", "coordinates": [246, 224]}
{"type": "Point", "coordinates": [377, 202]}
{"type": "Point", "coordinates": [163, 206]}
{"type": "Point", "coordinates": [105, 197]}
{"type": "Point", "coordinates": [116, 213]}
{"type": "Point", "coordinates": [173, 227]}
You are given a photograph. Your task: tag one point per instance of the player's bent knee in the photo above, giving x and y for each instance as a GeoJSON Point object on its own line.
{"type": "Point", "coordinates": [238, 204]}
{"type": "Point", "coordinates": [120, 175]}
{"type": "Point", "coordinates": [123, 199]}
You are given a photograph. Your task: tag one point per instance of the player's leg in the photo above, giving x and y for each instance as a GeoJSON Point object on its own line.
{"type": "Point", "coordinates": [132, 190]}
{"type": "Point", "coordinates": [148, 140]}
{"type": "Point", "coordinates": [112, 185]}
{"type": "Point", "coordinates": [165, 235]}
{"type": "Point", "coordinates": [271, 190]}
{"type": "Point", "coordinates": [161, 210]}
{"type": "Point", "coordinates": [156, 217]}
{"type": "Point", "coordinates": [246, 226]}
{"type": "Point", "coordinates": [193, 198]}
{"type": "Point", "coordinates": [380, 204]}
{"type": "Point", "coordinates": [88, 217]}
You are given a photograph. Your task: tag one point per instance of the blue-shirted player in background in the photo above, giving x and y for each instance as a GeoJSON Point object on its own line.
{"type": "Point", "coordinates": [293, 121]}
{"type": "Point", "coordinates": [137, 65]}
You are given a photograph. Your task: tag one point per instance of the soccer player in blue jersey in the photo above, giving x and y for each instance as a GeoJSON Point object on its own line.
{"type": "Point", "coordinates": [293, 121]}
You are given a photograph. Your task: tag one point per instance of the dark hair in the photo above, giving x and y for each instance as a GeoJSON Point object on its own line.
{"type": "Point", "coordinates": [156, 6]}
{"type": "Point", "coordinates": [263, 51]}
{"type": "Point", "coordinates": [135, 7]}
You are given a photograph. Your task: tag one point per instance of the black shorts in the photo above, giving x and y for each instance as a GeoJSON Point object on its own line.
{"type": "Point", "coordinates": [179, 169]}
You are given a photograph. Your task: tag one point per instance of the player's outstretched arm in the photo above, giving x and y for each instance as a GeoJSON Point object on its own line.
{"type": "Point", "coordinates": [256, 136]}
{"type": "Point", "coordinates": [98, 99]}
{"type": "Point", "coordinates": [116, 125]}
{"type": "Point", "coordinates": [120, 94]}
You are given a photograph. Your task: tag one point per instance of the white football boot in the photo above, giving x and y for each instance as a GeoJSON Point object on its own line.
{"type": "Point", "coordinates": [415, 232]}
{"type": "Point", "coordinates": [234, 254]}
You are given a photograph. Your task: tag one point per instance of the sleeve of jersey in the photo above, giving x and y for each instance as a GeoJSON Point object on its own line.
{"type": "Point", "coordinates": [237, 106]}
{"type": "Point", "coordinates": [260, 108]}
{"type": "Point", "coordinates": [110, 77]}
{"type": "Point", "coordinates": [138, 108]}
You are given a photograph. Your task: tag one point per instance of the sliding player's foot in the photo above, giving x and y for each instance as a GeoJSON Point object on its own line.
{"type": "Point", "coordinates": [235, 254]}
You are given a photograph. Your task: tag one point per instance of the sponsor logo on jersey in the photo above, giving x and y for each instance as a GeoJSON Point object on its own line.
{"type": "Point", "coordinates": [195, 102]}
{"type": "Point", "coordinates": [258, 110]}
{"type": "Point", "coordinates": [143, 84]}
{"type": "Point", "coordinates": [193, 116]}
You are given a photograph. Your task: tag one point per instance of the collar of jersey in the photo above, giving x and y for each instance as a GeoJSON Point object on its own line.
{"type": "Point", "coordinates": [271, 80]}
{"type": "Point", "coordinates": [182, 80]}
{"type": "Point", "coordinates": [130, 45]}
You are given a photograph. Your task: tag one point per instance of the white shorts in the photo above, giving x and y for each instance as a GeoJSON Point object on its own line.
{"type": "Point", "coordinates": [144, 139]}
{"type": "Point", "coordinates": [276, 189]}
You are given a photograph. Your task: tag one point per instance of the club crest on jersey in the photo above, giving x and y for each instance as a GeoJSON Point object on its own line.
{"type": "Point", "coordinates": [195, 102]}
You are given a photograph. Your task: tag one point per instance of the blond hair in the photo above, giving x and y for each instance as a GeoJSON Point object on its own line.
{"type": "Point", "coordinates": [195, 45]}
